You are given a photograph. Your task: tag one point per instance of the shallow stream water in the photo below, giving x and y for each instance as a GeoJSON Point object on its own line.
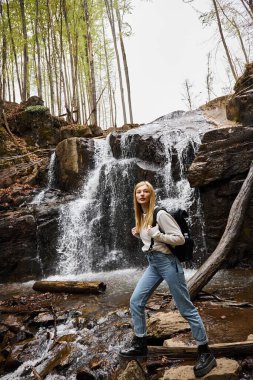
{"type": "Point", "coordinates": [233, 284]}
{"type": "Point", "coordinates": [108, 317]}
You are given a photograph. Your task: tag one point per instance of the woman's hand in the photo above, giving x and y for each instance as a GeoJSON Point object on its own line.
{"type": "Point", "coordinates": [134, 232]}
{"type": "Point", "coordinates": [152, 231]}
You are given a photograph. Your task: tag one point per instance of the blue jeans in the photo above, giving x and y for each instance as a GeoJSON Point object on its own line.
{"type": "Point", "coordinates": [165, 267]}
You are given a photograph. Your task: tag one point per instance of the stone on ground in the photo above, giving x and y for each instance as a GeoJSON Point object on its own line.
{"type": "Point", "coordinates": [227, 369]}
{"type": "Point", "coordinates": [133, 371]}
{"type": "Point", "coordinates": [163, 325]}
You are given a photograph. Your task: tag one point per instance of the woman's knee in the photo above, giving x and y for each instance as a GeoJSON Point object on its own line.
{"type": "Point", "coordinates": [135, 302]}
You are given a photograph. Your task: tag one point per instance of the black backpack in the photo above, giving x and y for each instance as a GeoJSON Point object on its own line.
{"type": "Point", "coordinates": [183, 252]}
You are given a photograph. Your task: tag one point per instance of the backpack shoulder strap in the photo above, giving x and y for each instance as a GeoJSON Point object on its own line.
{"type": "Point", "coordinates": [156, 210]}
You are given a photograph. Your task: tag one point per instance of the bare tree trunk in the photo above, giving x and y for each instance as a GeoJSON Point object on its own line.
{"type": "Point", "coordinates": [49, 69]}
{"type": "Point", "coordinates": [251, 6]}
{"type": "Point", "coordinates": [13, 48]}
{"type": "Point", "coordinates": [25, 87]}
{"type": "Point", "coordinates": [188, 95]}
{"type": "Point", "coordinates": [241, 41]}
{"type": "Point", "coordinates": [60, 53]}
{"type": "Point", "coordinates": [125, 64]}
{"type": "Point", "coordinates": [224, 41]}
{"type": "Point", "coordinates": [109, 9]}
{"type": "Point", "coordinates": [4, 56]}
{"type": "Point", "coordinates": [39, 79]}
{"type": "Point", "coordinates": [108, 79]}
{"type": "Point", "coordinates": [209, 77]}
{"type": "Point", "coordinates": [250, 9]}
{"type": "Point", "coordinates": [228, 239]}
{"type": "Point", "coordinates": [73, 97]}
{"type": "Point", "coordinates": [91, 65]}
{"type": "Point", "coordinates": [235, 26]}
{"type": "Point", "coordinates": [83, 100]}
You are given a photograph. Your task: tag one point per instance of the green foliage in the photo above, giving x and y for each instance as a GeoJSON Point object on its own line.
{"type": "Point", "coordinates": [58, 64]}
{"type": "Point", "coordinates": [37, 109]}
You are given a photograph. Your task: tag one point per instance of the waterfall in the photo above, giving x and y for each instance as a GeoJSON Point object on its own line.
{"type": "Point", "coordinates": [50, 181]}
{"type": "Point", "coordinates": [78, 218]}
{"type": "Point", "coordinates": [95, 228]}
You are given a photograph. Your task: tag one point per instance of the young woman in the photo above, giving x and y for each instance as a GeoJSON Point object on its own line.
{"type": "Point", "coordinates": [163, 265]}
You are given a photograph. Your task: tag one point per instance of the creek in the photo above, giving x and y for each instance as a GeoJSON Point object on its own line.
{"type": "Point", "coordinates": [98, 326]}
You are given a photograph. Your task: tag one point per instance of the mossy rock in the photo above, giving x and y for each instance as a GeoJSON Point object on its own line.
{"type": "Point", "coordinates": [38, 109]}
{"type": "Point", "coordinates": [75, 130]}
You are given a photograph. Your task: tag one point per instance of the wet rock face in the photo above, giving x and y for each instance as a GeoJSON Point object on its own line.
{"type": "Point", "coordinates": [240, 106]}
{"type": "Point", "coordinates": [219, 170]}
{"type": "Point", "coordinates": [143, 147]}
{"type": "Point", "coordinates": [74, 159]}
{"type": "Point", "coordinates": [224, 153]}
{"type": "Point", "coordinates": [28, 244]}
{"type": "Point", "coordinates": [18, 247]}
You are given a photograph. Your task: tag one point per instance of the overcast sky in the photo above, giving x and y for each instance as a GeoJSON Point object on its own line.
{"type": "Point", "coordinates": [169, 45]}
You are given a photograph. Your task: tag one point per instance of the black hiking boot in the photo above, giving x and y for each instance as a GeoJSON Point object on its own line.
{"type": "Point", "coordinates": [205, 362]}
{"type": "Point", "coordinates": [138, 348]}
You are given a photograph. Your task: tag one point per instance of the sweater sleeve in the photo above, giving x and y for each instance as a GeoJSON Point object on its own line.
{"type": "Point", "coordinates": [172, 232]}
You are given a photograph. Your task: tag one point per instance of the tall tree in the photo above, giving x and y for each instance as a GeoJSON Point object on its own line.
{"type": "Point", "coordinates": [4, 55]}
{"type": "Point", "coordinates": [124, 57]}
{"type": "Point", "coordinates": [25, 85]}
{"type": "Point", "coordinates": [91, 66]}
{"type": "Point", "coordinates": [110, 15]}
{"type": "Point", "coordinates": [39, 76]}
{"type": "Point", "coordinates": [231, 64]}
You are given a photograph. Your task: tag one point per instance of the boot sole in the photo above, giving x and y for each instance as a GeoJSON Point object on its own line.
{"type": "Point", "coordinates": [204, 371]}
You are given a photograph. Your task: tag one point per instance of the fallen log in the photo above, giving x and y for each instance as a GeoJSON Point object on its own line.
{"type": "Point", "coordinates": [228, 239]}
{"type": "Point", "coordinates": [87, 287]}
{"type": "Point", "coordinates": [219, 349]}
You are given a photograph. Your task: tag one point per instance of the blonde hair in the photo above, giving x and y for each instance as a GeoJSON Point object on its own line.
{"type": "Point", "coordinates": [140, 221]}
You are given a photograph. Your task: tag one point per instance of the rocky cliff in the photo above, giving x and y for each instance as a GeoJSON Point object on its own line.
{"type": "Point", "coordinates": [221, 166]}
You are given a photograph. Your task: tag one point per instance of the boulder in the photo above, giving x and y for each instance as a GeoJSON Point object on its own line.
{"type": "Point", "coordinates": [148, 148]}
{"type": "Point", "coordinates": [133, 371]}
{"type": "Point", "coordinates": [33, 121]}
{"type": "Point", "coordinates": [96, 130]}
{"type": "Point", "coordinates": [224, 153]}
{"type": "Point", "coordinates": [163, 325]}
{"type": "Point", "coordinates": [240, 107]}
{"type": "Point", "coordinates": [60, 357]}
{"type": "Point", "coordinates": [227, 369]}
{"type": "Point", "coordinates": [74, 130]}
{"type": "Point", "coordinates": [74, 159]}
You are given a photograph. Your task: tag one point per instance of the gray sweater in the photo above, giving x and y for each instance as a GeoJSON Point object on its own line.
{"type": "Point", "coordinates": [172, 234]}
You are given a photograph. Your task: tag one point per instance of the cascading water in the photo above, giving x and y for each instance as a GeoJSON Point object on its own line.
{"type": "Point", "coordinates": [95, 228]}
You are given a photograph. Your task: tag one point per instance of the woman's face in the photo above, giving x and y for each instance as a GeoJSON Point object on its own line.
{"type": "Point", "coordinates": [143, 195]}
